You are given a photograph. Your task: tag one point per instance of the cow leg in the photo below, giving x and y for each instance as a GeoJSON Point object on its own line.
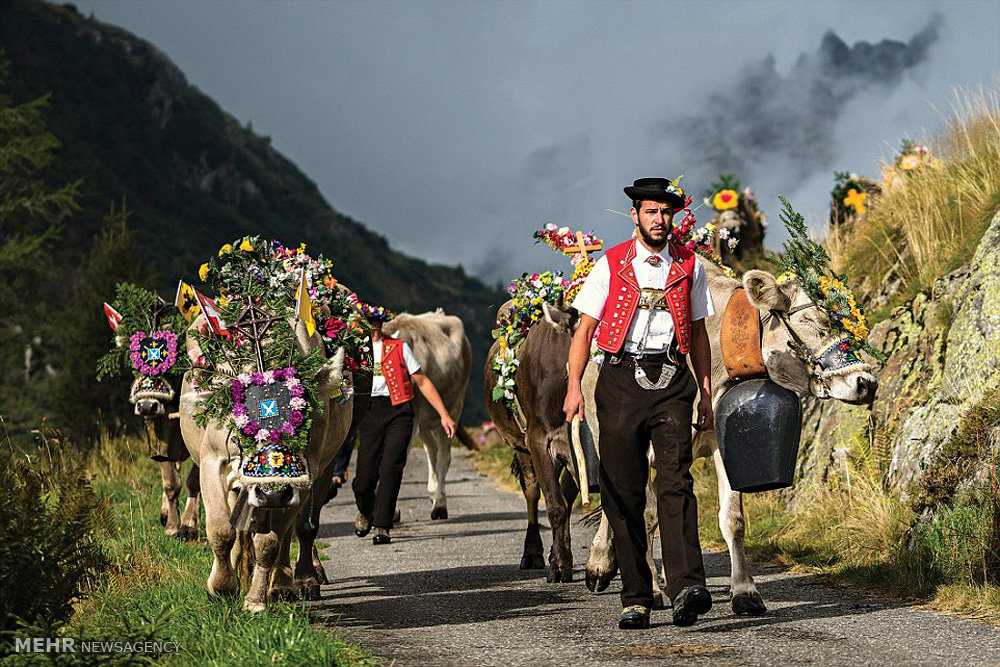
{"type": "Point", "coordinates": [438, 450]}
{"type": "Point", "coordinates": [170, 516]}
{"type": "Point", "coordinates": [219, 530]}
{"type": "Point", "coordinates": [652, 526]}
{"type": "Point", "coordinates": [560, 556]}
{"type": "Point", "coordinates": [309, 573]}
{"type": "Point", "coordinates": [746, 599]}
{"type": "Point", "coordinates": [532, 558]}
{"type": "Point", "coordinates": [602, 566]}
{"type": "Point", "coordinates": [282, 583]}
{"type": "Point", "coordinates": [192, 506]}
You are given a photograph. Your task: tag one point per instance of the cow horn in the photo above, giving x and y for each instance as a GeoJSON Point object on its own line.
{"type": "Point", "coordinates": [581, 461]}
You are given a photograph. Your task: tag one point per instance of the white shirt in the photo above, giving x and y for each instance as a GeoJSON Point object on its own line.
{"type": "Point", "coordinates": [379, 387]}
{"type": "Point", "coordinates": [590, 300]}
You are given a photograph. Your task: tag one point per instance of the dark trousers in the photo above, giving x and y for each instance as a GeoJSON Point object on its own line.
{"type": "Point", "coordinates": [384, 439]}
{"type": "Point", "coordinates": [630, 418]}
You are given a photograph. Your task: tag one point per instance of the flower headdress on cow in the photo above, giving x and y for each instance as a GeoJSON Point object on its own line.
{"type": "Point", "coordinates": [911, 157]}
{"type": "Point", "coordinates": [851, 196]}
{"type": "Point", "coordinates": [808, 263]}
{"type": "Point", "coordinates": [727, 194]}
{"type": "Point", "coordinates": [147, 333]}
{"type": "Point", "coordinates": [259, 383]}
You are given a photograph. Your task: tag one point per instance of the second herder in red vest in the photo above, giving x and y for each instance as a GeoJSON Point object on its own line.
{"type": "Point", "coordinates": [647, 300]}
{"type": "Point", "coordinates": [387, 426]}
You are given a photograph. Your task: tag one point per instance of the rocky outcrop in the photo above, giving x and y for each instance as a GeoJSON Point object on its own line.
{"type": "Point", "coordinates": [943, 350]}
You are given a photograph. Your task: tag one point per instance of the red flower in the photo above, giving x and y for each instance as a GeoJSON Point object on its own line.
{"type": "Point", "coordinates": [334, 326]}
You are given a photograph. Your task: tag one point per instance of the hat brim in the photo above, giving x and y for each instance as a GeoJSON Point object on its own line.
{"type": "Point", "coordinates": [654, 194]}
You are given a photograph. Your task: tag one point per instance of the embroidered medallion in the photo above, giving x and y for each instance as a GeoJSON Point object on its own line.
{"type": "Point", "coordinates": [274, 463]}
{"type": "Point", "coordinates": [268, 406]}
{"type": "Point", "coordinates": [840, 355]}
{"type": "Point", "coordinates": [153, 354]}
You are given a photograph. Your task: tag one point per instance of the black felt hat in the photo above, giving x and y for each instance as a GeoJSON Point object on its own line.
{"type": "Point", "coordinates": [657, 189]}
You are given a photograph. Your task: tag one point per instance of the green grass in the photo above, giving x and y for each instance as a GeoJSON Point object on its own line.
{"type": "Point", "coordinates": [155, 587]}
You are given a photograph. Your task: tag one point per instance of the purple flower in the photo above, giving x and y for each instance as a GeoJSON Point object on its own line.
{"type": "Point", "coordinates": [250, 428]}
{"type": "Point", "coordinates": [239, 409]}
{"type": "Point", "coordinates": [257, 378]}
{"type": "Point", "coordinates": [296, 418]}
{"type": "Point", "coordinates": [275, 436]}
{"type": "Point", "coordinates": [297, 391]}
{"type": "Point", "coordinates": [287, 429]}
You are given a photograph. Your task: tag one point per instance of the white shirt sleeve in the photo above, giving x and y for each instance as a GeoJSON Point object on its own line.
{"type": "Point", "coordinates": [412, 365]}
{"type": "Point", "coordinates": [701, 296]}
{"type": "Point", "coordinates": [591, 297]}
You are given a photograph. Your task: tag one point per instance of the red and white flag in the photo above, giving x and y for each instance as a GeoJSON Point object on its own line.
{"type": "Point", "coordinates": [211, 312]}
{"type": "Point", "coordinates": [114, 317]}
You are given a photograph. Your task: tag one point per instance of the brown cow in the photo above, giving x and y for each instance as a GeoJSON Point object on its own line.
{"type": "Point", "coordinates": [542, 450]}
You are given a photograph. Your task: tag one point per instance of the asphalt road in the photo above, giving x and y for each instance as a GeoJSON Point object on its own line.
{"type": "Point", "coordinates": [450, 593]}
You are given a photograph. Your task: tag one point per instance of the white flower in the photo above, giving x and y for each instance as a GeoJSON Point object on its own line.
{"type": "Point", "coordinates": [244, 378]}
{"type": "Point", "coordinates": [241, 421]}
{"type": "Point", "coordinates": [733, 242]}
{"type": "Point", "coordinates": [292, 382]}
{"type": "Point", "coordinates": [262, 435]}
{"type": "Point", "coordinates": [297, 403]}
{"type": "Point", "coordinates": [269, 377]}
{"type": "Point", "coordinates": [563, 230]}
{"type": "Point", "coordinates": [550, 226]}
{"type": "Point", "coordinates": [724, 233]}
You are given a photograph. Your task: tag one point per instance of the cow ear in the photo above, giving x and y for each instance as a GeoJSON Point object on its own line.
{"type": "Point", "coordinates": [763, 291]}
{"type": "Point", "coordinates": [557, 319]}
{"type": "Point", "coordinates": [331, 374]}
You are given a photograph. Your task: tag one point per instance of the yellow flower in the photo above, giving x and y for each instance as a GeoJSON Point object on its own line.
{"type": "Point", "coordinates": [226, 249]}
{"type": "Point", "coordinates": [857, 200]}
{"type": "Point", "coordinates": [302, 249]}
{"type": "Point", "coordinates": [246, 246]}
{"type": "Point", "coordinates": [223, 301]}
{"type": "Point", "coordinates": [909, 162]}
{"type": "Point", "coordinates": [786, 276]}
{"type": "Point", "coordinates": [725, 200]}
{"type": "Point", "coordinates": [203, 272]}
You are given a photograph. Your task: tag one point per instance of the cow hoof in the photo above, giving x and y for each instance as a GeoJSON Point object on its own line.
{"type": "Point", "coordinates": [283, 594]}
{"type": "Point", "coordinates": [397, 517]}
{"type": "Point", "coordinates": [532, 562]}
{"type": "Point", "coordinates": [439, 513]}
{"type": "Point", "coordinates": [186, 534]}
{"type": "Point", "coordinates": [321, 575]}
{"type": "Point", "coordinates": [749, 604]}
{"type": "Point", "coordinates": [311, 592]}
{"type": "Point", "coordinates": [254, 607]}
{"type": "Point", "coordinates": [559, 575]}
{"type": "Point", "coordinates": [598, 583]}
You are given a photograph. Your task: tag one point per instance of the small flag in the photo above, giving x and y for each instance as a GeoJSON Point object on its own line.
{"type": "Point", "coordinates": [211, 312]}
{"type": "Point", "coordinates": [114, 317]}
{"type": "Point", "coordinates": [303, 306]}
{"type": "Point", "coordinates": [186, 301]}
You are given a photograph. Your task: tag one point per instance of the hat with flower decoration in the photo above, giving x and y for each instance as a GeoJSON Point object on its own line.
{"type": "Point", "coordinates": [657, 189]}
{"type": "Point", "coordinates": [375, 313]}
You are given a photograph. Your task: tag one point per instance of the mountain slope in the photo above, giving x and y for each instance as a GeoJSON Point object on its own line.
{"type": "Point", "coordinates": [193, 177]}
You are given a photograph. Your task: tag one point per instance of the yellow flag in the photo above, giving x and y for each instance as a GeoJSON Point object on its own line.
{"type": "Point", "coordinates": [303, 306]}
{"type": "Point", "coordinates": [186, 301]}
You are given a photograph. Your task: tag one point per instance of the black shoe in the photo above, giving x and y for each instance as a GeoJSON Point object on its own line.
{"type": "Point", "coordinates": [635, 617]}
{"type": "Point", "coordinates": [362, 525]}
{"type": "Point", "coordinates": [381, 539]}
{"type": "Point", "coordinates": [690, 603]}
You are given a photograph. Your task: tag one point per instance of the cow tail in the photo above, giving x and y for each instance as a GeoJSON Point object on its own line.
{"type": "Point", "coordinates": [244, 565]}
{"type": "Point", "coordinates": [466, 439]}
{"type": "Point", "coordinates": [516, 470]}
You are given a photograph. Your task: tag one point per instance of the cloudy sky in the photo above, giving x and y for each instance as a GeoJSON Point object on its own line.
{"type": "Point", "coordinates": [457, 128]}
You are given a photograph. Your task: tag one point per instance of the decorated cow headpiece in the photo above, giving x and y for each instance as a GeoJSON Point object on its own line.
{"type": "Point", "coordinates": [851, 196]}
{"type": "Point", "coordinates": [146, 333]}
{"type": "Point", "coordinates": [264, 385]}
{"type": "Point", "coordinates": [375, 313]}
{"type": "Point", "coordinates": [808, 263]}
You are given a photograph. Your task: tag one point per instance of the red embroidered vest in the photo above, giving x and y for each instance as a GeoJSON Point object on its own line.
{"type": "Point", "coordinates": [623, 296]}
{"type": "Point", "coordinates": [397, 377]}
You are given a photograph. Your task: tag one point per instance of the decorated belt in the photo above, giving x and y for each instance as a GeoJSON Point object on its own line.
{"type": "Point", "coordinates": [653, 299]}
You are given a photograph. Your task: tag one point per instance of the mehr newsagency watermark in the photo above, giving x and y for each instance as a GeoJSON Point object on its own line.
{"type": "Point", "coordinates": [71, 645]}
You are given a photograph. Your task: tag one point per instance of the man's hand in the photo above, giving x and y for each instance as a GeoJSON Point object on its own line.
{"type": "Point", "coordinates": [706, 415]}
{"type": "Point", "coordinates": [448, 424]}
{"type": "Point", "coordinates": [573, 405]}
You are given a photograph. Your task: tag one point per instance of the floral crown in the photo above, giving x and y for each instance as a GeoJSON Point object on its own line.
{"type": "Point", "coordinates": [146, 336]}
{"type": "Point", "coordinates": [809, 264]}
{"type": "Point", "coordinates": [379, 313]}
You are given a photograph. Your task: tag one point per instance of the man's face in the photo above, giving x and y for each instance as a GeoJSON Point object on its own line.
{"type": "Point", "coordinates": [654, 220]}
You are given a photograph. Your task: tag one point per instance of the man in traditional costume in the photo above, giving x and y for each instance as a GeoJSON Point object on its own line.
{"type": "Point", "coordinates": [385, 431]}
{"type": "Point", "coordinates": [647, 299]}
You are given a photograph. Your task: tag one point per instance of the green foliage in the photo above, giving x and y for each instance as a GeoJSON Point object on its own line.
{"type": "Point", "coordinates": [725, 182]}
{"type": "Point", "coordinates": [51, 521]}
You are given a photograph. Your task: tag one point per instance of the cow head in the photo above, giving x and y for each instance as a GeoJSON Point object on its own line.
{"type": "Point", "coordinates": [802, 349]}
{"type": "Point", "coordinates": [562, 318]}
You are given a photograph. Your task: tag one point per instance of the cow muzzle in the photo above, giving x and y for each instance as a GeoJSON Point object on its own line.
{"type": "Point", "coordinates": [274, 497]}
{"type": "Point", "coordinates": [148, 407]}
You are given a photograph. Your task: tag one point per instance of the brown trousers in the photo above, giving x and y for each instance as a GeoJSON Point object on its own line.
{"type": "Point", "coordinates": [630, 418]}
